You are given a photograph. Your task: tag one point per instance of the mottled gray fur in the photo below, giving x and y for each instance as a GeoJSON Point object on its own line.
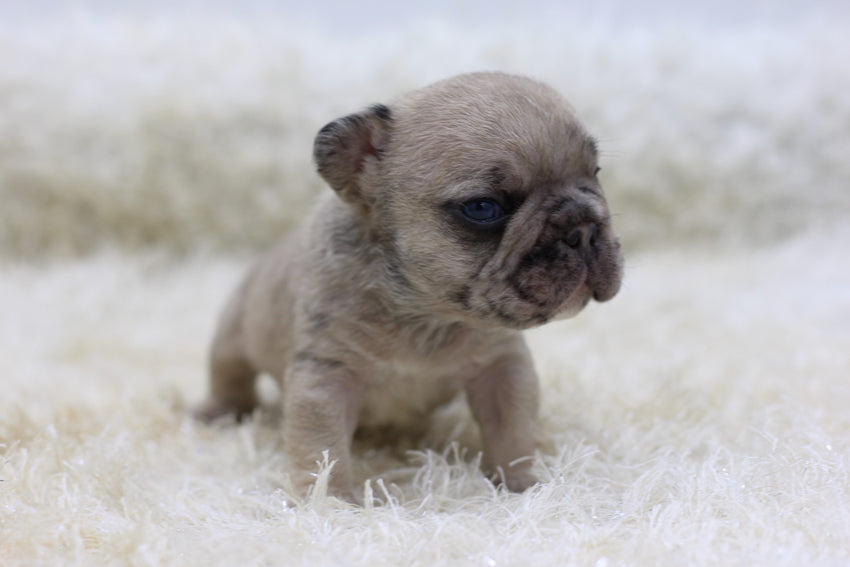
{"type": "Point", "coordinates": [390, 300]}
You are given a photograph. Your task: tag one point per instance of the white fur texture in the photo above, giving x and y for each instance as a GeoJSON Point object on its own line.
{"type": "Point", "coordinates": [700, 418]}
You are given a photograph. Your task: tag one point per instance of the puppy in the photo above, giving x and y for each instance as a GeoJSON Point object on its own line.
{"type": "Point", "coordinates": [464, 213]}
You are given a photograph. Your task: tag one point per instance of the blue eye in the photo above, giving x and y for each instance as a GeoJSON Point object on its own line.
{"type": "Point", "coordinates": [482, 210]}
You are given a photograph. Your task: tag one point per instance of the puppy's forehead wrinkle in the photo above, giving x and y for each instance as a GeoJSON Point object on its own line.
{"type": "Point", "coordinates": [495, 175]}
{"type": "Point", "coordinates": [556, 205]}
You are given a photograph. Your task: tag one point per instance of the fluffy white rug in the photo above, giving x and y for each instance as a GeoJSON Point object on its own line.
{"type": "Point", "coordinates": [701, 418]}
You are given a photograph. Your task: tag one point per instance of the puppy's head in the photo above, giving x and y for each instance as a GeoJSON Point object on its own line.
{"type": "Point", "coordinates": [481, 191]}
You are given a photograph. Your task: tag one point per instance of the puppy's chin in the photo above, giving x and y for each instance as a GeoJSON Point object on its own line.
{"type": "Point", "coordinates": [510, 311]}
{"type": "Point", "coordinates": [570, 307]}
{"type": "Point", "coordinates": [574, 304]}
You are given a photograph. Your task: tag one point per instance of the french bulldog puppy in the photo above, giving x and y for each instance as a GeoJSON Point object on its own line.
{"type": "Point", "coordinates": [462, 214]}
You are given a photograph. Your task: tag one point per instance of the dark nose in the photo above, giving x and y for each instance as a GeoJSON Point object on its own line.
{"type": "Point", "coordinates": [583, 236]}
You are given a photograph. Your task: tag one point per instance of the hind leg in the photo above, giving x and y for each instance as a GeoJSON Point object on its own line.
{"type": "Point", "coordinates": [232, 378]}
{"type": "Point", "coordinates": [232, 390]}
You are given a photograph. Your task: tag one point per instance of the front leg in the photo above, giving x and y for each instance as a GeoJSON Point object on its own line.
{"type": "Point", "coordinates": [504, 400]}
{"type": "Point", "coordinates": [321, 403]}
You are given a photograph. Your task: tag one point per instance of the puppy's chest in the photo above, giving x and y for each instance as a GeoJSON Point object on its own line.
{"type": "Point", "coordinates": [403, 389]}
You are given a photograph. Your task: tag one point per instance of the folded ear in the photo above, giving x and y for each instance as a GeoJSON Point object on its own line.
{"type": "Point", "coordinates": [345, 150]}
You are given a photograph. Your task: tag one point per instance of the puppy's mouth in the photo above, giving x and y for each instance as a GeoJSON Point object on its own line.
{"type": "Point", "coordinates": [552, 281]}
{"type": "Point", "coordinates": [574, 304]}
{"type": "Point", "coordinates": [508, 305]}
{"type": "Point", "coordinates": [531, 313]}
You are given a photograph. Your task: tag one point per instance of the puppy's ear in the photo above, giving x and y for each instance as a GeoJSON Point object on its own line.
{"type": "Point", "coordinates": [345, 149]}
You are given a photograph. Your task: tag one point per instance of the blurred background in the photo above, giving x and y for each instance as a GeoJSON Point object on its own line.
{"type": "Point", "coordinates": [186, 128]}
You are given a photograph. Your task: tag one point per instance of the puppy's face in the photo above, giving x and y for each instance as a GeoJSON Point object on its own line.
{"type": "Point", "coordinates": [482, 191]}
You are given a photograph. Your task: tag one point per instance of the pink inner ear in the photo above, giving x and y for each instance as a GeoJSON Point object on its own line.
{"type": "Point", "coordinates": [366, 148]}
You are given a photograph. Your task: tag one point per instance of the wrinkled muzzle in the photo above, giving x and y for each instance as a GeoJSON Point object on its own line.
{"type": "Point", "coordinates": [553, 267]}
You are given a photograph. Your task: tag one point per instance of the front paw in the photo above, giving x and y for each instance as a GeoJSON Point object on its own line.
{"type": "Point", "coordinates": [213, 409]}
{"type": "Point", "coordinates": [516, 478]}
{"type": "Point", "coordinates": [521, 482]}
